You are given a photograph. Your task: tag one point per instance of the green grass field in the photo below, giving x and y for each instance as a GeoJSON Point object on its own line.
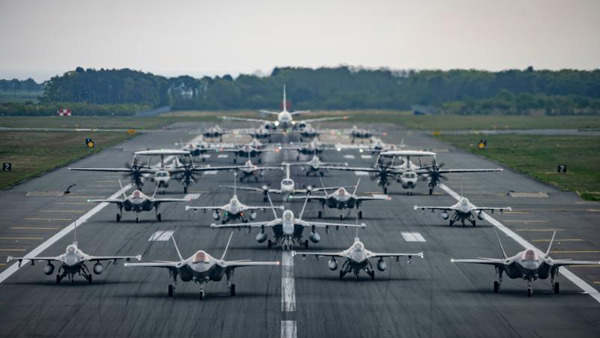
{"type": "Point", "coordinates": [538, 156]}
{"type": "Point", "coordinates": [34, 153]}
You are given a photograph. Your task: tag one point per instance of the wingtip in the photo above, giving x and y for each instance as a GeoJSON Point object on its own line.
{"type": "Point", "coordinates": [138, 257]}
{"type": "Point", "coordinates": [451, 260]}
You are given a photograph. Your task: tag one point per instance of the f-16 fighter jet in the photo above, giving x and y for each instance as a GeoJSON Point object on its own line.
{"type": "Point", "coordinates": [462, 211]}
{"type": "Point", "coordinates": [201, 268]}
{"type": "Point", "coordinates": [530, 264]}
{"type": "Point", "coordinates": [138, 202]}
{"type": "Point", "coordinates": [288, 229]}
{"type": "Point", "coordinates": [357, 258]}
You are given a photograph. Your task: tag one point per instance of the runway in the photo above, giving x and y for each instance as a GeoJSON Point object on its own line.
{"type": "Point", "coordinates": [430, 298]}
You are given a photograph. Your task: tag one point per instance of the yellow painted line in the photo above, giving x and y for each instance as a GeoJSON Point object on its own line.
{"type": "Point", "coordinates": [22, 238]}
{"type": "Point", "coordinates": [540, 229]}
{"type": "Point", "coordinates": [574, 251]}
{"type": "Point", "coordinates": [559, 240]}
{"type": "Point", "coordinates": [72, 203]}
{"type": "Point", "coordinates": [32, 228]}
{"type": "Point", "coordinates": [2, 264]}
{"type": "Point", "coordinates": [48, 219]}
{"type": "Point", "coordinates": [596, 282]}
{"type": "Point", "coordinates": [66, 211]}
{"type": "Point", "coordinates": [12, 250]}
{"type": "Point", "coordinates": [525, 221]}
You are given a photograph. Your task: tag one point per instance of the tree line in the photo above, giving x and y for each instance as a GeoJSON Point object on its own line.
{"type": "Point", "coordinates": [458, 91]}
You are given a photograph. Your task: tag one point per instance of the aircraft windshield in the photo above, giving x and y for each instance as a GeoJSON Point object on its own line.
{"type": "Point", "coordinates": [288, 215]}
{"type": "Point", "coordinates": [200, 257]}
{"type": "Point", "coordinates": [287, 182]}
{"type": "Point", "coordinates": [530, 255]}
{"type": "Point", "coordinates": [137, 194]}
{"type": "Point", "coordinates": [464, 201]}
{"type": "Point", "coordinates": [358, 246]}
{"type": "Point", "coordinates": [342, 192]}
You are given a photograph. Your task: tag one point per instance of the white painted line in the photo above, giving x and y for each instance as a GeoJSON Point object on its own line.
{"type": "Point", "coordinates": [361, 173]}
{"type": "Point", "coordinates": [288, 290]}
{"type": "Point", "coordinates": [222, 156]}
{"type": "Point", "coordinates": [35, 252]}
{"type": "Point", "coordinates": [161, 236]}
{"type": "Point", "coordinates": [288, 329]}
{"type": "Point", "coordinates": [365, 157]}
{"type": "Point", "coordinates": [210, 172]}
{"type": "Point", "coordinates": [563, 270]}
{"type": "Point", "coordinates": [351, 157]}
{"type": "Point", "coordinates": [380, 195]}
{"type": "Point", "coordinates": [192, 196]}
{"type": "Point", "coordinates": [413, 237]}
{"type": "Point", "coordinates": [204, 156]}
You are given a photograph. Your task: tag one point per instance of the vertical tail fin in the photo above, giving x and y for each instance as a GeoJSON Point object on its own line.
{"type": "Point", "coordinates": [177, 249]}
{"type": "Point", "coordinates": [234, 183]}
{"type": "Point", "coordinates": [227, 246]}
{"type": "Point", "coordinates": [500, 242]}
{"type": "Point", "coordinates": [550, 245]}
{"type": "Point", "coordinates": [284, 100]}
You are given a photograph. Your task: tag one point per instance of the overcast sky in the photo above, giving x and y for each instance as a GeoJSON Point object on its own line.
{"type": "Point", "coordinates": [41, 38]}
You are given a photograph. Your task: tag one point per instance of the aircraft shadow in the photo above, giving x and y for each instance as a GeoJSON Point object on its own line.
{"type": "Point", "coordinates": [522, 292]}
{"type": "Point", "coordinates": [189, 295]}
{"type": "Point", "coordinates": [362, 278]}
{"type": "Point", "coordinates": [76, 283]}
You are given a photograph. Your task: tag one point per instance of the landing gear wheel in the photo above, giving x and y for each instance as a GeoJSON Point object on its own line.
{"type": "Point", "coordinates": [170, 293]}
{"type": "Point", "coordinates": [430, 191]}
{"type": "Point", "coordinates": [529, 292]}
{"type": "Point", "coordinates": [341, 217]}
{"type": "Point", "coordinates": [385, 190]}
{"type": "Point", "coordinates": [357, 278]}
{"type": "Point", "coordinates": [463, 223]}
{"type": "Point", "coordinates": [202, 295]}
{"type": "Point", "coordinates": [72, 281]}
{"type": "Point", "coordinates": [269, 244]}
{"type": "Point", "coordinates": [185, 190]}
{"type": "Point", "coordinates": [372, 274]}
{"type": "Point", "coordinates": [360, 214]}
{"type": "Point", "coordinates": [137, 220]}
{"type": "Point", "coordinates": [58, 279]}
{"type": "Point", "coordinates": [474, 223]}
{"type": "Point", "coordinates": [89, 278]}
{"type": "Point", "coordinates": [232, 290]}
{"type": "Point", "coordinates": [234, 160]}
{"type": "Point", "coordinates": [306, 244]}
{"type": "Point", "coordinates": [496, 286]}
{"type": "Point", "coordinates": [342, 274]}
{"type": "Point", "coordinates": [451, 223]}
{"type": "Point", "coordinates": [556, 288]}
{"type": "Point", "coordinates": [118, 217]}
{"type": "Point", "coordinates": [259, 160]}
{"type": "Point", "coordinates": [159, 217]}
{"type": "Point", "coordinates": [320, 214]}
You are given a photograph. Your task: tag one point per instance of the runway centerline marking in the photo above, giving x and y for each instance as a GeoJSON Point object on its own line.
{"type": "Point", "coordinates": [222, 156]}
{"type": "Point", "coordinates": [525, 244]}
{"type": "Point", "coordinates": [366, 157]}
{"type": "Point", "coordinates": [361, 173]}
{"type": "Point", "coordinates": [161, 236]}
{"type": "Point", "coordinates": [350, 157]}
{"type": "Point", "coordinates": [288, 329]}
{"type": "Point", "coordinates": [288, 294]}
{"type": "Point", "coordinates": [413, 237]}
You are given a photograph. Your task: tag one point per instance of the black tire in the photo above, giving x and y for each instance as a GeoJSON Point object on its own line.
{"type": "Point", "coordinates": [232, 290]}
{"type": "Point", "coordinates": [234, 160]}
{"type": "Point", "coordinates": [306, 244]}
{"type": "Point", "coordinates": [360, 214]}
{"type": "Point", "coordinates": [89, 279]}
{"type": "Point", "coordinates": [137, 220]}
{"type": "Point", "coordinates": [496, 286]}
{"type": "Point", "coordinates": [320, 214]}
{"type": "Point", "coordinates": [72, 281]}
{"type": "Point", "coordinates": [430, 191]}
{"type": "Point", "coordinates": [170, 292]}
{"type": "Point", "coordinates": [269, 244]}
{"type": "Point", "coordinates": [451, 223]}
{"type": "Point", "coordinates": [556, 288]}
{"type": "Point", "coordinates": [385, 190]}
{"type": "Point", "coordinates": [341, 217]}
{"type": "Point", "coordinates": [202, 295]}
{"type": "Point", "coordinates": [372, 274]}
{"type": "Point", "coordinates": [118, 218]}
{"type": "Point", "coordinates": [159, 217]}
{"type": "Point", "coordinates": [58, 279]}
{"type": "Point", "coordinates": [185, 190]}
{"type": "Point", "coordinates": [529, 292]}
{"type": "Point", "coordinates": [474, 223]}
{"type": "Point", "coordinates": [357, 278]}
{"type": "Point", "coordinates": [342, 274]}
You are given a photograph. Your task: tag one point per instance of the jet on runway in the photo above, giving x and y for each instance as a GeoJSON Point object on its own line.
{"type": "Point", "coordinates": [360, 133]}
{"type": "Point", "coordinates": [463, 211]}
{"type": "Point", "coordinates": [214, 132]}
{"type": "Point", "coordinates": [357, 259]}
{"type": "Point", "coordinates": [138, 202]}
{"type": "Point", "coordinates": [288, 229]}
{"type": "Point", "coordinates": [201, 268]}
{"type": "Point", "coordinates": [315, 166]}
{"type": "Point", "coordinates": [530, 264]}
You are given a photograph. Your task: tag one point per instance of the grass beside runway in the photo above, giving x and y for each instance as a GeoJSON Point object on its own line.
{"type": "Point", "coordinates": [34, 153]}
{"type": "Point", "coordinates": [538, 156]}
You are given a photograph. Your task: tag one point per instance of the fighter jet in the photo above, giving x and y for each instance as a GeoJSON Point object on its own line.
{"type": "Point", "coordinates": [260, 133]}
{"type": "Point", "coordinates": [234, 210]}
{"type": "Point", "coordinates": [285, 119]}
{"type": "Point", "coordinates": [315, 166]}
{"type": "Point", "coordinates": [288, 229]}
{"type": "Point", "coordinates": [201, 147]}
{"type": "Point", "coordinates": [251, 170]}
{"type": "Point", "coordinates": [251, 149]}
{"type": "Point", "coordinates": [313, 147]}
{"type": "Point", "coordinates": [72, 262]}
{"type": "Point", "coordinates": [463, 211]}
{"type": "Point", "coordinates": [214, 132]}
{"type": "Point", "coordinates": [201, 268]}
{"type": "Point", "coordinates": [287, 187]}
{"type": "Point", "coordinates": [357, 259]}
{"type": "Point", "coordinates": [530, 264]}
{"type": "Point", "coordinates": [138, 202]}
{"type": "Point", "coordinates": [359, 133]}
{"type": "Point", "coordinates": [341, 199]}
{"type": "Point", "coordinates": [377, 146]}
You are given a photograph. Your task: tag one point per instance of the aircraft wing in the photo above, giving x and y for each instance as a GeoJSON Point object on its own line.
{"type": "Point", "coordinates": [169, 265]}
{"type": "Point", "coordinates": [245, 119]}
{"type": "Point", "coordinates": [246, 225]}
{"type": "Point", "coordinates": [264, 111]}
{"type": "Point", "coordinates": [298, 112]}
{"type": "Point", "coordinates": [461, 171]}
{"type": "Point", "coordinates": [397, 255]}
{"type": "Point", "coordinates": [32, 259]}
{"type": "Point", "coordinates": [374, 198]}
{"type": "Point", "coordinates": [490, 209]}
{"type": "Point", "coordinates": [222, 207]}
{"type": "Point", "coordinates": [170, 200]}
{"type": "Point", "coordinates": [417, 207]}
{"type": "Point", "coordinates": [486, 261]}
{"type": "Point", "coordinates": [323, 119]}
{"type": "Point", "coordinates": [318, 254]}
{"type": "Point", "coordinates": [107, 200]}
{"type": "Point", "coordinates": [327, 224]}
{"type": "Point", "coordinates": [240, 264]}
{"type": "Point", "coordinates": [561, 262]}
{"type": "Point", "coordinates": [272, 191]}
{"type": "Point", "coordinates": [115, 170]}
{"type": "Point", "coordinates": [112, 258]}
{"type": "Point", "coordinates": [372, 170]}
{"type": "Point", "coordinates": [227, 167]}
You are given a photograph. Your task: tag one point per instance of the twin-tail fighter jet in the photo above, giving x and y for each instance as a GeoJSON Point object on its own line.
{"type": "Point", "coordinates": [201, 268]}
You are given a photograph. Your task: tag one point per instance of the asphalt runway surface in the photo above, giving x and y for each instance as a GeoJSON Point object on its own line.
{"type": "Point", "coordinates": [431, 297]}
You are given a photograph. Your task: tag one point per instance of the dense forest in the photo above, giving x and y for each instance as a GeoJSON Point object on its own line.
{"type": "Point", "coordinates": [457, 91]}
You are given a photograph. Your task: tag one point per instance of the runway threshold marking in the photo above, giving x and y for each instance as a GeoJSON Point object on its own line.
{"type": "Point", "coordinates": [161, 236]}
{"type": "Point", "coordinates": [413, 237]}
{"type": "Point", "coordinates": [564, 271]}
{"type": "Point", "coordinates": [288, 295]}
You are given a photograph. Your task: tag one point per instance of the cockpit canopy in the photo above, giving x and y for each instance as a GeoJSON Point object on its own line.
{"type": "Point", "coordinates": [234, 201]}
{"type": "Point", "coordinates": [342, 192]}
{"type": "Point", "coordinates": [358, 246]}
{"type": "Point", "coordinates": [288, 215]}
{"type": "Point", "coordinates": [201, 257]}
{"type": "Point", "coordinates": [137, 194]}
{"type": "Point", "coordinates": [530, 255]}
{"type": "Point", "coordinates": [71, 248]}
{"type": "Point", "coordinates": [464, 201]}
{"type": "Point", "coordinates": [161, 174]}
{"type": "Point", "coordinates": [287, 181]}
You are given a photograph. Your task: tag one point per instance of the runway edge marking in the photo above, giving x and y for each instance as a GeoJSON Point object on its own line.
{"type": "Point", "coordinates": [524, 243]}
{"type": "Point", "coordinates": [15, 267]}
